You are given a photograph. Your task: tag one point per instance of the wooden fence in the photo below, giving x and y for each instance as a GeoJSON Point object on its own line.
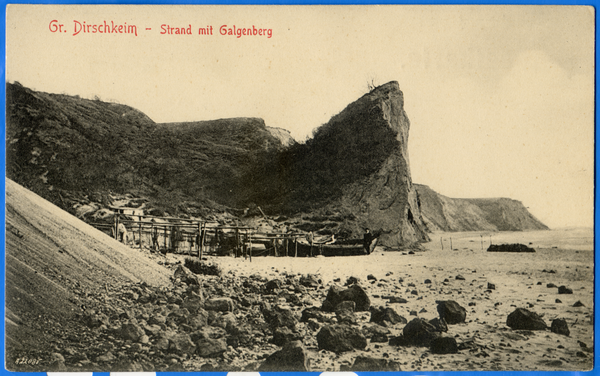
{"type": "Point", "coordinates": [198, 238]}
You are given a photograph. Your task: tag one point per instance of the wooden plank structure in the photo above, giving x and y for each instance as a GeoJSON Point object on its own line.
{"type": "Point", "coordinates": [198, 238]}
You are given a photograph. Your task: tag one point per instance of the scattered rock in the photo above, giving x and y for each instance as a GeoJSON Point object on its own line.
{"type": "Point", "coordinates": [210, 348]}
{"type": "Point", "coordinates": [564, 290]}
{"type": "Point", "coordinates": [444, 345]}
{"type": "Point", "coordinates": [283, 335]}
{"type": "Point", "coordinates": [132, 332]}
{"type": "Point", "coordinates": [439, 324]}
{"type": "Point", "coordinates": [523, 319]}
{"type": "Point", "coordinates": [551, 285]}
{"type": "Point", "coordinates": [419, 332]}
{"type": "Point", "coordinates": [379, 338]}
{"type": "Point", "coordinates": [181, 344]}
{"type": "Point", "coordinates": [309, 280]}
{"type": "Point", "coordinates": [451, 311]}
{"type": "Point", "coordinates": [186, 275]}
{"type": "Point", "coordinates": [366, 364]}
{"type": "Point", "coordinates": [491, 286]}
{"type": "Point", "coordinates": [518, 248]}
{"type": "Point", "coordinates": [273, 285]}
{"type": "Point", "coordinates": [340, 338]}
{"type": "Point", "coordinates": [559, 326]}
{"type": "Point", "coordinates": [578, 304]}
{"type": "Point", "coordinates": [397, 299]}
{"type": "Point", "coordinates": [278, 316]}
{"type": "Point", "coordinates": [292, 357]}
{"type": "Point", "coordinates": [354, 293]}
{"type": "Point", "coordinates": [459, 278]}
{"type": "Point", "coordinates": [371, 277]}
{"type": "Point", "coordinates": [381, 314]}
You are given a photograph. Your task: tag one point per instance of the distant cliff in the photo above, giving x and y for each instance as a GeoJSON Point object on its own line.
{"type": "Point", "coordinates": [442, 213]}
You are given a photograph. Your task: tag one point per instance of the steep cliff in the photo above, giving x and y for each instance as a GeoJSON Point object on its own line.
{"type": "Point", "coordinates": [358, 164]}
{"type": "Point", "coordinates": [442, 213]}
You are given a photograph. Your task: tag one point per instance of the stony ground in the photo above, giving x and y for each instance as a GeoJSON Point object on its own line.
{"type": "Point", "coordinates": [243, 319]}
{"type": "Point", "coordinates": [77, 300]}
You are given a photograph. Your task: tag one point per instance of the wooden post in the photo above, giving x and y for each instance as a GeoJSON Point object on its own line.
{"type": "Point", "coordinates": [237, 242]}
{"type": "Point", "coordinates": [250, 251]}
{"type": "Point", "coordinates": [296, 243]}
{"type": "Point", "coordinates": [442, 242]}
{"type": "Point", "coordinates": [117, 226]}
{"type": "Point", "coordinates": [287, 245]}
{"type": "Point", "coordinates": [165, 238]}
{"type": "Point", "coordinates": [481, 241]}
{"type": "Point", "coordinates": [451, 248]}
{"type": "Point", "coordinates": [140, 230]}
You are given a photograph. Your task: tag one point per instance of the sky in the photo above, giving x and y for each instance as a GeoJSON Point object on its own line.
{"type": "Point", "coordinates": [500, 98]}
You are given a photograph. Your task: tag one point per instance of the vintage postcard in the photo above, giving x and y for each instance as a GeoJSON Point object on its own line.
{"type": "Point", "coordinates": [340, 188]}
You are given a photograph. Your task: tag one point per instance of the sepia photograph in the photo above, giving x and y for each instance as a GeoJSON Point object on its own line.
{"type": "Point", "coordinates": [299, 188]}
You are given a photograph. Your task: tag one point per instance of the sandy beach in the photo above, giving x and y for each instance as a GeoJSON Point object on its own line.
{"type": "Point", "coordinates": [562, 257]}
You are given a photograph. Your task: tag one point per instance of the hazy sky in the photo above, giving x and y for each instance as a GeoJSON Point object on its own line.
{"type": "Point", "coordinates": [500, 98]}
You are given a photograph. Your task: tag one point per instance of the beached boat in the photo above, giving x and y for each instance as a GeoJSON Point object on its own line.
{"type": "Point", "coordinates": [352, 247]}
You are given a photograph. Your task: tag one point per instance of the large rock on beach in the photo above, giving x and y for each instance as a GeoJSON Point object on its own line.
{"type": "Point", "coordinates": [354, 293]}
{"type": "Point", "coordinates": [291, 358]}
{"type": "Point", "coordinates": [559, 326]}
{"type": "Point", "coordinates": [515, 248]}
{"type": "Point", "coordinates": [211, 347]}
{"type": "Point", "coordinates": [367, 364]}
{"type": "Point", "coordinates": [443, 345]}
{"type": "Point", "coordinates": [523, 319]}
{"type": "Point", "coordinates": [419, 332]}
{"type": "Point", "coordinates": [340, 338]}
{"type": "Point", "coordinates": [451, 312]}
{"type": "Point", "coordinates": [279, 316]}
{"type": "Point", "coordinates": [186, 275]}
{"type": "Point", "coordinates": [380, 315]}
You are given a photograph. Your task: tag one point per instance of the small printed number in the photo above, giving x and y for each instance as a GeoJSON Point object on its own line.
{"type": "Point", "coordinates": [27, 361]}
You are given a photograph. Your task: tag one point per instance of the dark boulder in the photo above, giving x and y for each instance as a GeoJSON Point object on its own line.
{"type": "Point", "coordinates": [564, 290]}
{"type": "Point", "coordinates": [273, 285]}
{"type": "Point", "coordinates": [444, 345]}
{"type": "Point", "coordinates": [210, 348]}
{"type": "Point", "coordinates": [398, 341]}
{"type": "Point", "coordinates": [515, 248]}
{"type": "Point", "coordinates": [354, 293]}
{"type": "Point", "coordinates": [277, 317]}
{"type": "Point", "coordinates": [367, 364]}
{"type": "Point", "coordinates": [292, 358]}
{"type": "Point", "coordinates": [451, 311]}
{"type": "Point", "coordinates": [309, 280]}
{"type": "Point", "coordinates": [284, 335]}
{"type": "Point", "coordinates": [559, 326]}
{"type": "Point", "coordinates": [578, 304]}
{"type": "Point", "coordinates": [186, 275]}
{"type": "Point", "coordinates": [314, 313]}
{"type": "Point", "coordinates": [440, 325]}
{"type": "Point", "coordinates": [340, 338]}
{"type": "Point", "coordinates": [419, 332]}
{"type": "Point", "coordinates": [381, 314]}
{"type": "Point", "coordinates": [523, 319]}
